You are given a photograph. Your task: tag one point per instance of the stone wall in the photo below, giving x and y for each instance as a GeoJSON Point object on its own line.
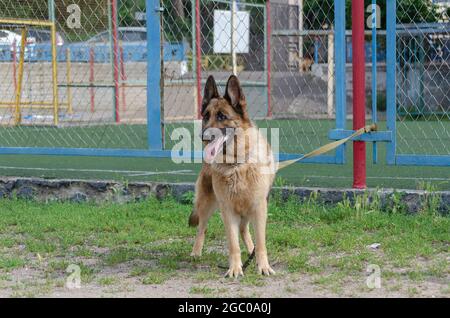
{"type": "Point", "coordinates": [43, 190]}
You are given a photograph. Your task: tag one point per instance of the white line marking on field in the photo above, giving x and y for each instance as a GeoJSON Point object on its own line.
{"type": "Point", "coordinates": [398, 178]}
{"type": "Point", "coordinates": [131, 173]}
{"type": "Point", "coordinates": [138, 173]}
{"type": "Point", "coordinates": [184, 172]}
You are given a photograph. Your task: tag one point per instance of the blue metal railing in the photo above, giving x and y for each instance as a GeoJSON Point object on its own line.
{"type": "Point", "coordinates": [80, 52]}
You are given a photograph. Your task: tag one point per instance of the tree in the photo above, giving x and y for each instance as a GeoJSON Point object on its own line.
{"type": "Point", "coordinates": [416, 11]}
{"type": "Point", "coordinates": [127, 9]}
{"type": "Point", "coordinates": [317, 13]}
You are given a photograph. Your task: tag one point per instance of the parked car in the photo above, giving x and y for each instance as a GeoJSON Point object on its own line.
{"type": "Point", "coordinates": [134, 40]}
{"type": "Point", "coordinates": [45, 36]}
{"type": "Point", "coordinates": [11, 39]}
{"type": "Point", "coordinates": [125, 34]}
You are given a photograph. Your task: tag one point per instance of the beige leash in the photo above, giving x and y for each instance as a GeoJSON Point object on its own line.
{"type": "Point", "coordinates": [328, 147]}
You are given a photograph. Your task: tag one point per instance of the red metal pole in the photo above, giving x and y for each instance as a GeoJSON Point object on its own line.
{"type": "Point", "coordinates": [198, 56]}
{"type": "Point", "coordinates": [115, 59]}
{"type": "Point", "coordinates": [123, 78]}
{"type": "Point", "coordinates": [269, 86]}
{"type": "Point", "coordinates": [359, 97]}
{"type": "Point", "coordinates": [91, 78]}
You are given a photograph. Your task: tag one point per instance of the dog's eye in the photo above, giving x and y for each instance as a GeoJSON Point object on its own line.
{"type": "Point", "coordinates": [206, 117]}
{"type": "Point", "coordinates": [221, 117]}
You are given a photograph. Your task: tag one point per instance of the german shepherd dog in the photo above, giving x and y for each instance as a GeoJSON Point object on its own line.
{"type": "Point", "coordinates": [231, 180]}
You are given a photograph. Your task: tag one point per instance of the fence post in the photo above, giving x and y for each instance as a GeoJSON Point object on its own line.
{"type": "Point", "coordinates": [391, 111]}
{"type": "Point", "coordinates": [51, 10]}
{"type": "Point", "coordinates": [14, 61]}
{"type": "Point", "coordinates": [17, 112]}
{"type": "Point", "coordinates": [69, 81]}
{"type": "Point", "coordinates": [374, 75]}
{"type": "Point", "coordinates": [316, 50]}
{"type": "Point", "coordinates": [198, 54]}
{"type": "Point", "coordinates": [115, 56]}
{"type": "Point", "coordinates": [154, 81]}
{"type": "Point", "coordinates": [268, 61]}
{"type": "Point", "coordinates": [359, 94]}
{"type": "Point", "coordinates": [233, 10]}
{"type": "Point", "coordinates": [330, 75]}
{"type": "Point", "coordinates": [54, 76]}
{"type": "Point", "coordinates": [300, 28]}
{"type": "Point", "coordinates": [51, 16]}
{"type": "Point", "coordinates": [123, 78]}
{"type": "Point", "coordinates": [340, 74]}
{"type": "Point", "coordinates": [91, 77]}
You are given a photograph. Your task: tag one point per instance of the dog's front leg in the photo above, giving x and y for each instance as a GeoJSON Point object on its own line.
{"type": "Point", "coordinates": [232, 221]}
{"type": "Point", "coordinates": [259, 222]}
{"type": "Point", "coordinates": [204, 208]}
{"type": "Point", "coordinates": [245, 234]}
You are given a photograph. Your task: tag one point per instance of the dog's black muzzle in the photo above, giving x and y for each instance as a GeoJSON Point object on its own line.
{"type": "Point", "coordinates": [211, 133]}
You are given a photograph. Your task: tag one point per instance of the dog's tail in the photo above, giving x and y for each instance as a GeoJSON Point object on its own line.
{"type": "Point", "coordinates": [193, 219]}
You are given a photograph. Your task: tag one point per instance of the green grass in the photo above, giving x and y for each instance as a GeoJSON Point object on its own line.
{"type": "Point", "coordinates": [150, 241]}
{"type": "Point", "coordinates": [104, 136]}
{"type": "Point", "coordinates": [108, 281]}
{"type": "Point", "coordinates": [156, 277]}
{"type": "Point", "coordinates": [9, 263]}
{"type": "Point", "coordinates": [203, 290]}
{"type": "Point", "coordinates": [296, 136]}
{"type": "Point", "coordinates": [420, 137]}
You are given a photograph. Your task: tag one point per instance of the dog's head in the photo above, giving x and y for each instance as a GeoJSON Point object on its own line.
{"type": "Point", "coordinates": [222, 115]}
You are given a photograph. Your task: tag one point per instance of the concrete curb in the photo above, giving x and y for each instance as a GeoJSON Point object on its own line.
{"type": "Point", "coordinates": [43, 190]}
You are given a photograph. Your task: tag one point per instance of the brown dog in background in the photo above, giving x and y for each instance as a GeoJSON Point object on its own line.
{"type": "Point", "coordinates": [231, 179]}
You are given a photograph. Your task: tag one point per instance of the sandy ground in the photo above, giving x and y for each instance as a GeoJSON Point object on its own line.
{"type": "Point", "coordinates": [294, 95]}
{"type": "Point", "coordinates": [29, 282]}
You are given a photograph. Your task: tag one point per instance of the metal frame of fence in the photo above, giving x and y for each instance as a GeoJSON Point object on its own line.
{"type": "Point", "coordinates": [393, 158]}
{"type": "Point", "coordinates": [155, 122]}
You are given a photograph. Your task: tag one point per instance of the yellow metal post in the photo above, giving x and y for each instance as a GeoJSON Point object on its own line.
{"type": "Point", "coordinates": [55, 101]}
{"type": "Point", "coordinates": [69, 82]}
{"type": "Point", "coordinates": [54, 76]}
{"type": "Point", "coordinates": [17, 113]}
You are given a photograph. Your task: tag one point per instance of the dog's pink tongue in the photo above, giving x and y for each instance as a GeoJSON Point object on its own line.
{"type": "Point", "coordinates": [212, 149]}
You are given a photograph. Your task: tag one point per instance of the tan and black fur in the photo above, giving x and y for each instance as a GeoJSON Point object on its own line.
{"type": "Point", "coordinates": [238, 190]}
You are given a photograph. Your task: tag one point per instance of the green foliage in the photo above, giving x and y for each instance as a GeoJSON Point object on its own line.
{"type": "Point", "coordinates": [156, 278]}
{"type": "Point", "coordinates": [176, 25]}
{"type": "Point", "coordinates": [188, 197]}
{"type": "Point", "coordinates": [381, 101]}
{"type": "Point", "coordinates": [321, 12]}
{"type": "Point", "coordinates": [318, 13]}
{"type": "Point", "coordinates": [30, 9]}
{"type": "Point", "coordinates": [431, 200]}
{"type": "Point", "coordinates": [127, 9]}
{"type": "Point", "coordinates": [416, 11]}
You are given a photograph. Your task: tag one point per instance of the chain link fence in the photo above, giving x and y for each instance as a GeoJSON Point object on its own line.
{"type": "Point", "coordinates": [284, 60]}
{"type": "Point", "coordinates": [423, 77]}
{"type": "Point", "coordinates": [282, 51]}
{"type": "Point", "coordinates": [101, 78]}
{"type": "Point", "coordinates": [303, 79]}
{"type": "Point", "coordinates": [280, 56]}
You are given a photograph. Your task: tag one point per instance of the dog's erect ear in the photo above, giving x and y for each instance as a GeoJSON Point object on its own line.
{"type": "Point", "coordinates": [234, 94]}
{"type": "Point", "coordinates": [210, 92]}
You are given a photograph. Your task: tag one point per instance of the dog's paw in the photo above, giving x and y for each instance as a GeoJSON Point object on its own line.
{"type": "Point", "coordinates": [196, 254]}
{"type": "Point", "coordinates": [265, 270]}
{"type": "Point", "coordinates": [234, 271]}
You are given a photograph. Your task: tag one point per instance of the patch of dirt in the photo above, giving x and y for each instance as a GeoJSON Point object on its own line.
{"type": "Point", "coordinates": [38, 279]}
{"type": "Point", "coordinates": [184, 285]}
